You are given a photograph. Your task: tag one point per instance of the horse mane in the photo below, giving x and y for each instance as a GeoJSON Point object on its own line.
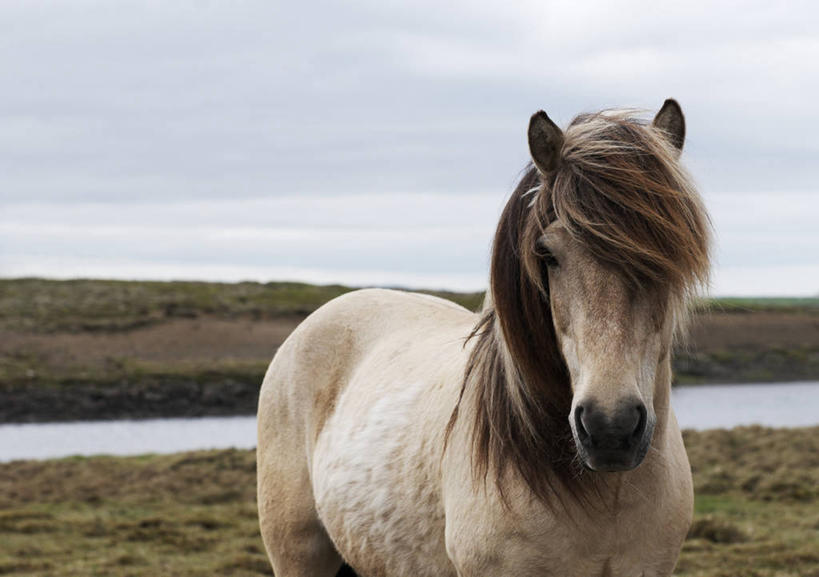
{"type": "Point", "coordinates": [621, 191]}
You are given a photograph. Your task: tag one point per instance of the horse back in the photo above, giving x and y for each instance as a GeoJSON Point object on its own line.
{"type": "Point", "coordinates": [317, 361]}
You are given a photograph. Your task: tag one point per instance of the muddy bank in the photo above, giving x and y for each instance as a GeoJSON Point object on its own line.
{"type": "Point", "coordinates": [195, 349]}
{"type": "Point", "coordinates": [141, 398]}
{"type": "Point", "coordinates": [215, 393]}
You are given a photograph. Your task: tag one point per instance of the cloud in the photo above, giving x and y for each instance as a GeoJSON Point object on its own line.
{"type": "Point", "coordinates": [257, 99]}
{"type": "Point", "coordinates": [113, 112]}
{"type": "Point", "coordinates": [418, 240]}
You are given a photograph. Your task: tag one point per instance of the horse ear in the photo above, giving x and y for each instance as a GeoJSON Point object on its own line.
{"type": "Point", "coordinates": [545, 142]}
{"type": "Point", "coordinates": [671, 122]}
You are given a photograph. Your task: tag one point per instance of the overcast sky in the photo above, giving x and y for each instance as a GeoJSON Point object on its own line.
{"type": "Point", "coordinates": [376, 142]}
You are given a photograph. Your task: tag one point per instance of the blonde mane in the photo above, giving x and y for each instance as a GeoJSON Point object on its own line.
{"type": "Point", "coordinates": [621, 191]}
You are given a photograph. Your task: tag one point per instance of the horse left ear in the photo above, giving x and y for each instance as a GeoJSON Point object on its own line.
{"type": "Point", "coordinates": [545, 142]}
{"type": "Point", "coordinates": [671, 122]}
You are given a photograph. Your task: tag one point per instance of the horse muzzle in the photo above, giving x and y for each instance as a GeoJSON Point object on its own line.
{"type": "Point", "coordinates": [612, 440]}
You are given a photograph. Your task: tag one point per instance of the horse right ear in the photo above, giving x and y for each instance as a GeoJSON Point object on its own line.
{"type": "Point", "coordinates": [545, 142]}
{"type": "Point", "coordinates": [671, 122]}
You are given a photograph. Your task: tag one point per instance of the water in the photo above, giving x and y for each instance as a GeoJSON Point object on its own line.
{"type": "Point", "coordinates": [726, 406]}
{"type": "Point", "coordinates": [48, 440]}
{"type": "Point", "coordinates": [701, 407]}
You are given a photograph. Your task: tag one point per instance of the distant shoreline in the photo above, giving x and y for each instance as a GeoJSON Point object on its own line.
{"type": "Point", "coordinates": [102, 350]}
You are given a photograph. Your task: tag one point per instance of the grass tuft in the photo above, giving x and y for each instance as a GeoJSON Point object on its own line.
{"type": "Point", "coordinates": [195, 513]}
{"type": "Point", "coordinates": [716, 530]}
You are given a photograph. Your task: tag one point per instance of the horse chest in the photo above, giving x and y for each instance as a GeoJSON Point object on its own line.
{"type": "Point", "coordinates": [640, 540]}
{"type": "Point", "coordinates": [632, 545]}
{"type": "Point", "coordinates": [375, 487]}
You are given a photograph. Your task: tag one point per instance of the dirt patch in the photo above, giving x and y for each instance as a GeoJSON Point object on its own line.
{"type": "Point", "coordinates": [754, 331]}
{"type": "Point", "coordinates": [216, 340]}
{"type": "Point", "coordinates": [177, 340]}
{"type": "Point", "coordinates": [211, 365]}
{"type": "Point", "coordinates": [146, 397]}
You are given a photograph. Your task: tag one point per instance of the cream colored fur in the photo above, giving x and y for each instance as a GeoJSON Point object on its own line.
{"type": "Point", "coordinates": [351, 460]}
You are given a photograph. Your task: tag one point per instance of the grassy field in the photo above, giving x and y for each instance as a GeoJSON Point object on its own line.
{"type": "Point", "coordinates": [91, 349]}
{"type": "Point", "coordinates": [107, 305]}
{"type": "Point", "coordinates": [757, 511]}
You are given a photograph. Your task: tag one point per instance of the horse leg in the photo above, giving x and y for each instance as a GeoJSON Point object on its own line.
{"type": "Point", "coordinates": [300, 548]}
{"type": "Point", "coordinates": [294, 536]}
{"type": "Point", "coordinates": [312, 556]}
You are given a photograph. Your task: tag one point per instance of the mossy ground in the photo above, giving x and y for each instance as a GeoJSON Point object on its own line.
{"type": "Point", "coordinates": [186, 514]}
{"type": "Point", "coordinates": [78, 305]}
{"type": "Point", "coordinates": [757, 503]}
{"type": "Point", "coordinates": [757, 511]}
{"type": "Point", "coordinates": [47, 306]}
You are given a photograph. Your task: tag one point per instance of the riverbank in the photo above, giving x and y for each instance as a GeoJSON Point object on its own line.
{"type": "Point", "coordinates": [757, 511]}
{"type": "Point", "coordinates": [790, 405]}
{"type": "Point", "coordinates": [90, 350]}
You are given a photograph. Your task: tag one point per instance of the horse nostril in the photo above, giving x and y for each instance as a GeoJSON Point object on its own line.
{"type": "Point", "coordinates": [582, 433]}
{"type": "Point", "coordinates": [641, 419]}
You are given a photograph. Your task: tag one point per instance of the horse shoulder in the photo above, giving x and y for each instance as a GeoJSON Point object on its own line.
{"type": "Point", "coordinates": [315, 363]}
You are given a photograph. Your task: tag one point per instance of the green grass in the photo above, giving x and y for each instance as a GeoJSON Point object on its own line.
{"type": "Point", "coordinates": [756, 304]}
{"type": "Point", "coordinates": [87, 305]}
{"type": "Point", "coordinates": [756, 511]}
{"type": "Point", "coordinates": [186, 514]}
{"type": "Point", "coordinates": [17, 371]}
{"type": "Point", "coordinates": [108, 305]}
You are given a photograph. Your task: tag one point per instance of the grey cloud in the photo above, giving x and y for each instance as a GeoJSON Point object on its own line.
{"type": "Point", "coordinates": [210, 100]}
{"type": "Point", "coordinates": [158, 112]}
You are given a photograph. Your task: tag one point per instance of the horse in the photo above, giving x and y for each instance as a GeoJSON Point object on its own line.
{"type": "Point", "coordinates": [400, 434]}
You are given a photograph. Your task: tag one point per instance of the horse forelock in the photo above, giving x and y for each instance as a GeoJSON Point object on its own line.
{"type": "Point", "coordinates": [621, 191]}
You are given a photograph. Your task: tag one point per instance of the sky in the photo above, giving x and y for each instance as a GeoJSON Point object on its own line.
{"type": "Point", "coordinates": [375, 142]}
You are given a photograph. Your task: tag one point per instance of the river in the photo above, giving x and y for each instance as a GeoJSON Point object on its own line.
{"type": "Point", "coordinates": [697, 407]}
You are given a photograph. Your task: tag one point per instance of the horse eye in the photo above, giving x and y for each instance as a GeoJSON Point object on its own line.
{"type": "Point", "coordinates": [550, 260]}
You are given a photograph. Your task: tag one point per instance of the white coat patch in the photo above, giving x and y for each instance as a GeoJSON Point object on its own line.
{"type": "Point", "coordinates": [380, 506]}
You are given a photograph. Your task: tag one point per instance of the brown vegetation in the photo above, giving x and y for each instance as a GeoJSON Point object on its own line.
{"type": "Point", "coordinates": [757, 511]}
{"type": "Point", "coordinates": [110, 349]}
